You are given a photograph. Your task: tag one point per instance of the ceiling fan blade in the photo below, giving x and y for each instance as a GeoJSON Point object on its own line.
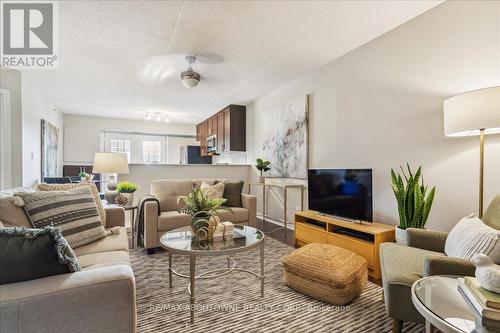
{"type": "Point", "coordinates": [209, 58]}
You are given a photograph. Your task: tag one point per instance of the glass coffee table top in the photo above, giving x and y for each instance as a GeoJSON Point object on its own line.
{"type": "Point", "coordinates": [181, 240]}
{"type": "Point", "coordinates": [445, 307]}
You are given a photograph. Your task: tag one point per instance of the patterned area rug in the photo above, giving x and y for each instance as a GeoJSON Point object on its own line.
{"type": "Point", "coordinates": [232, 303]}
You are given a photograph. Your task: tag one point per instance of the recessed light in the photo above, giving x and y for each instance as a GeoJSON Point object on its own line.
{"type": "Point", "coordinates": [167, 120]}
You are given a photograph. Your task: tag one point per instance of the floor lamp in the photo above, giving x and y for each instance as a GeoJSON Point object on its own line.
{"type": "Point", "coordinates": [474, 113]}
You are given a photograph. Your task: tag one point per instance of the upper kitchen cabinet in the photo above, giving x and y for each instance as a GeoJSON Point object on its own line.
{"type": "Point", "coordinates": [225, 131]}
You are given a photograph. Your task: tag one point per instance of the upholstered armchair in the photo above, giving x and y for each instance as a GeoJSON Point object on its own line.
{"type": "Point", "coordinates": [403, 265]}
{"type": "Point", "coordinates": [167, 193]}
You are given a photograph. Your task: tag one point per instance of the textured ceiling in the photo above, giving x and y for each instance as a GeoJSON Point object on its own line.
{"type": "Point", "coordinates": [103, 46]}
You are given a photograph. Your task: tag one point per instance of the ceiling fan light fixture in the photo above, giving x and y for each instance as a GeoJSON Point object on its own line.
{"type": "Point", "coordinates": [190, 78]}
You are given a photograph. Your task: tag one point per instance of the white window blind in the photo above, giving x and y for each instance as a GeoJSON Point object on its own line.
{"type": "Point", "coordinates": [120, 146]}
{"type": "Point", "coordinates": [151, 152]}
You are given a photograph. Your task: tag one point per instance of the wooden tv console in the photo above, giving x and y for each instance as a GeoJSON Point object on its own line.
{"type": "Point", "coordinates": [363, 239]}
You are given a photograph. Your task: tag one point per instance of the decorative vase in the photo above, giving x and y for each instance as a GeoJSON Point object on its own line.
{"type": "Point", "coordinates": [203, 226]}
{"type": "Point", "coordinates": [401, 236]}
{"type": "Point", "coordinates": [130, 198]}
{"type": "Point", "coordinates": [110, 196]}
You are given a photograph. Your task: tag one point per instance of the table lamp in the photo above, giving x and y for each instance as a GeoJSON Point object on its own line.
{"type": "Point", "coordinates": [474, 113]}
{"type": "Point", "coordinates": [114, 163]}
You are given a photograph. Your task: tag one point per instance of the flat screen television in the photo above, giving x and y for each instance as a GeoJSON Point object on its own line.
{"type": "Point", "coordinates": [345, 193]}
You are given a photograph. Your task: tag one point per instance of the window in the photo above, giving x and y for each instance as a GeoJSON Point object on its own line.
{"type": "Point", "coordinates": [151, 152]}
{"type": "Point", "coordinates": [120, 146]}
{"type": "Point", "coordinates": [146, 148]}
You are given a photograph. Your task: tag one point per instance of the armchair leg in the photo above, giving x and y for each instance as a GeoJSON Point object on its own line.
{"type": "Point", "coordinates": [151, 251]}
{"type": "Point", "coordinates": [397, 326]}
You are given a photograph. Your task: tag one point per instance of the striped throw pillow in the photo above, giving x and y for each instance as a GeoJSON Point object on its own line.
{"type": "Point", "coordinates": [471, 236]}
{"type": "Point", "coordinates": [74, 212]}
{"type": "Point", "coordinates": [71, 186]}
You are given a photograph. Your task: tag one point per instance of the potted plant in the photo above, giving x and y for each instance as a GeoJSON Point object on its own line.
{"type": "Point", "coordinates": [262, 166]}
{"type": "Point", "coordinates": [203, 212]}
{"type": "Point", "coordinates": [127, 189]}
{"type": "Point", "coordinates": [413, 199]}
{"type": "Point", "coordinates": [83, 176]}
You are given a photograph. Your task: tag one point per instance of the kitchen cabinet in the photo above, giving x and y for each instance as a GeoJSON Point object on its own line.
{"type": "Point", "coordinates": [229, 125]}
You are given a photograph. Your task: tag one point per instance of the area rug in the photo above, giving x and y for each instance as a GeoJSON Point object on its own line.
{"type": "Point", "coordinates": [232, 303]}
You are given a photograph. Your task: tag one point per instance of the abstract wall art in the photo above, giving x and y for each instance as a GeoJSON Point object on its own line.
{"type": "Point", "coordinates": [50, 149]}
{"type": "Point", "coordinates": [285, 139]}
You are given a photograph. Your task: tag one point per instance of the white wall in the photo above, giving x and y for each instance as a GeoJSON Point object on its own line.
{"type": "Point", "coordinates": [381, 105]}
{"type": "Point", "coordinates": [82, 134]}
{"type": "Point", "coordinates": [11, 81]}
{"type": "Point", "coordinates": [144, 174]}
{"type": "Point", "coordinates": [35, 108]}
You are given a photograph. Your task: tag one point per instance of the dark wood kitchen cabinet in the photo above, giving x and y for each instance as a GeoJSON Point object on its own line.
{"type": "Point", "coordinates": [229, 125]}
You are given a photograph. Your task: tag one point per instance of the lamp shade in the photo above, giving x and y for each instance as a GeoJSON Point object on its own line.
{"type": "Point", "coordinates": [110, 163]}
{"type": "Point", "coordinates": [467, 113]}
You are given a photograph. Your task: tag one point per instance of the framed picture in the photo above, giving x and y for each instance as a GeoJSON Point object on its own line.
{"type": "Point", "coordinates": [49, 150]}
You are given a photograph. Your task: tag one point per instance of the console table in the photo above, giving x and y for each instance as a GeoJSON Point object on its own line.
{"type": "Point", "coordinates": [363, 239]}
{"type": "Point", "coordinates": [285, 188]}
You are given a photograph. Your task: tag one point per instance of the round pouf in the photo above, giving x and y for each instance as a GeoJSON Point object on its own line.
{"type": "Point", "coordinates": [326, 272]}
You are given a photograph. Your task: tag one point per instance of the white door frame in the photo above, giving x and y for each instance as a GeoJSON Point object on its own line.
{"type": "Point", "coordinates": [5, 140]}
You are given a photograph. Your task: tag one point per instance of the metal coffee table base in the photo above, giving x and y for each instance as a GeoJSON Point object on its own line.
{"type": "Point", "coordinates": [212, 274]}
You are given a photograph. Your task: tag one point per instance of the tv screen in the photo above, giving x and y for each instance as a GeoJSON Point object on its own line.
{"type": "Point", "coordinates": [344, 193]}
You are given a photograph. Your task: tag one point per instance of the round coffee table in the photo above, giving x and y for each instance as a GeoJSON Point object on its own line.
{"type": "Point", "coordinates": [182, 241]}
{"type": "Point", "coordinates": [441, 304]}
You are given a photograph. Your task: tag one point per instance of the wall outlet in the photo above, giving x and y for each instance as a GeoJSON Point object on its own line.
{"type": "Point", "coordinates": [297, 208]}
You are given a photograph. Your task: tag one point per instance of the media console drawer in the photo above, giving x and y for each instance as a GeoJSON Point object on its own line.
{"type": "Point", "coordinates": [309, 234]}
{"type": "Point", "coordinates": [358, 247]}
{"type": "Point", "coordinates": [362, 239]}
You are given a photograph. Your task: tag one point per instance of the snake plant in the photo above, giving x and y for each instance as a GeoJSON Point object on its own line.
{"type": "Point", "coordinates": [413, 199]}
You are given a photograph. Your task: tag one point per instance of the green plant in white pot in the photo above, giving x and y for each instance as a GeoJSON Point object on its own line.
{"type": "Point", "coordinates": [127, 189]}
{"type": "Point", "coordinates": [413, 199]}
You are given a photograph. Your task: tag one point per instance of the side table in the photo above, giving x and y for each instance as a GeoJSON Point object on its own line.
{"type": "Point", "coordinates": [132, 209]}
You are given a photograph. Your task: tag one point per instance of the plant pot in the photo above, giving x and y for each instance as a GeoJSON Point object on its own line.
{"type": "Point", "coordinates": [130, 198]}
{"type": "Point", "coordinates": [203, 226]}
{"type": "Point", "coordinates": [401, 236]}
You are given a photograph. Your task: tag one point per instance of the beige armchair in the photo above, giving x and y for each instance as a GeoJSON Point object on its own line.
{"type": "Point", "coordinates": [167, 193]}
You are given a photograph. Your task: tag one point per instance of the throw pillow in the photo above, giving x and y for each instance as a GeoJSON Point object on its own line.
{"type": "Point", "coordinates": [492, 215]}
{"type": "Point", "coordinates": [213, 191]}
{"type": "Point", "coordinates": [471, 236]}
{"type": "Point", "coordinates": [34, 253]}
{"type": "Point", "coordinates": [74, 212]}
{"type": "Point", "coordinates": [232, 193]}
{"type": "Point", "coordinates": [67, 187]}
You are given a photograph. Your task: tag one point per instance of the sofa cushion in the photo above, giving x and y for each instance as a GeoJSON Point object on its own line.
{"type": "Point", "coordinates": [232, 193]}
{"type": "Point", "coordinates": [102, 259]}
{"type": "Point", "coordinates": [197, 182]}
{"type": "Point", "coordinates": [12, 215]}
{"type": "Point", "coordinates": [238, 215]}
{"type": "Point", "coordinates": [116, 241]}
{"type": "Point", "coordinates": [471, 236]}
{"type": "Point", "coordinates": [168, 191]}
{"type": "Point", "coordinates": [74, 212]}
{"type": "Point", "coordinates": [492, 215]}
{"type": "Point", "coordinates": [34, 253]}
{"type": "Point", "coordinates": [172, 220]}
{"type": "Point", "coordinates": [403, 264]}
{"type": "Point", "coordinates": [213, 191]}
{"type": "Point", "coordinates": [67, 187]}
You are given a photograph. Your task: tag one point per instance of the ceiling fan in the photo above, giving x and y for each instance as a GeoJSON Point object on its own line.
{"type": "Point", "coordinates": [163, 68]}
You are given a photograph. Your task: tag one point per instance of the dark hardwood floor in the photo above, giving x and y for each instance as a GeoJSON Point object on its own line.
{"type": "Point", "coordinates": [276, 231]}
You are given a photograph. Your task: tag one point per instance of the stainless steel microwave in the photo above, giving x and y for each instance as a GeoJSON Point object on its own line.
{"type": "Point", "coordinates": [212, 143]}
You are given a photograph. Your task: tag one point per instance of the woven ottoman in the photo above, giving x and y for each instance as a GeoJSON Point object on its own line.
{"type": "Point", "coordinates": [326, 272]}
